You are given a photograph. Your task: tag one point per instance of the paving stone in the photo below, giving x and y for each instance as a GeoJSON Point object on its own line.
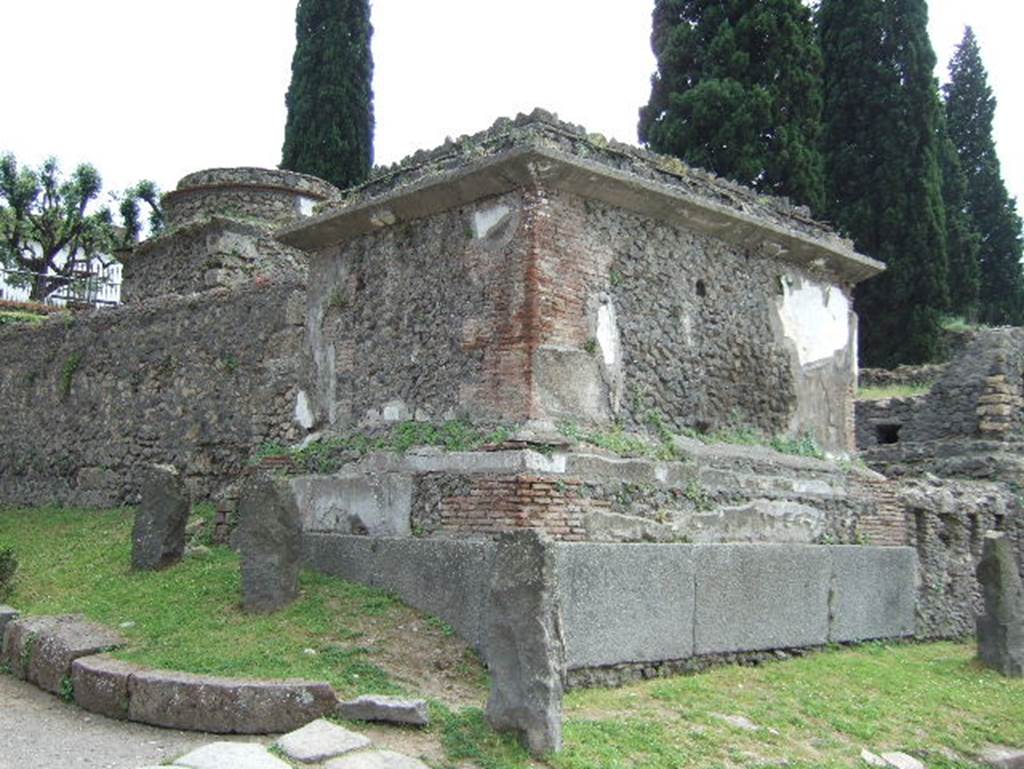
{"type": "Point", "coordinates": [320, 740]}
{"type": "Point", "coordinates": [375, 759]}
{"type": "Point", "coordinates": [231, 755]}
{"type": "Point", "coordinates": [158, 537]}
{"type": "Point", "coordinates": [899, 760]}
{"type": "Point", "coordinates": [1001, 757]}
{"type": "Point", "coordinates": [40, 650]}
{"type": "Point", "coordinates": [394, 710]}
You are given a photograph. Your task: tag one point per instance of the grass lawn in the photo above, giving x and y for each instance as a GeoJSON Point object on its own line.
{"type": "Point", "coordinates": [931, 700]}
{"type": "Point", "coordinates": [891, 391]}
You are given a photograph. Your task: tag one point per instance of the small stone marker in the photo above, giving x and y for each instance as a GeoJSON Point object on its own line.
{"type": "Point", "coordinates": [7, 614]}
{"type": "Point", "coordinates": [375, 759]}
{"type": "Point", "coordinates": [158, 538]}
{"type": "Point", "coordinates": [269, 540]}
{"type": "Point", "coordinates": [320, 740]}
{"type": "Point", "coordinates": [392, 710]}
{"type": "Point", "coordinates": [899, 760]}
{"type": "Point", "coordinates": [236, 755]}
{"type": "Point", "coordinates": [1001, 627]}
{"type": "Point", "coordinates": [525, 646]}
{"type": "Point", "coordinates": [872, 759]}
{"type": "Point", "coordinates": [1000, 757]}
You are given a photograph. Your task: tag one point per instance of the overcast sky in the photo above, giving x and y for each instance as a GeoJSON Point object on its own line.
{"type": "Point", "coordinates": [143, 89]}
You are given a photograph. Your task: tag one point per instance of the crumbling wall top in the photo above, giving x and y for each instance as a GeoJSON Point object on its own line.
{"type": "Point", "coordinates": [263, 194]}
{"type": "Point", "coordinates": [538, 149]}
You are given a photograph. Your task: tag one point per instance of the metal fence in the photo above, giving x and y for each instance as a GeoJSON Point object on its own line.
{"type": "Point", "coordinates": [98, 286]}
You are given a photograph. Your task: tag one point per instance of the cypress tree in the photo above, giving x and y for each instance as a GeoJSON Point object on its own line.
{"type": "Point", "coordinates": [970, 108]}
{"type": "Point", "coordinates": [329, 132]}
{"type": "Point", "coordinates": [962, 239]}
{"type": "Point", "coordinates": [738, 91]}
{"type": "Point", "coordinates": [884, 184]}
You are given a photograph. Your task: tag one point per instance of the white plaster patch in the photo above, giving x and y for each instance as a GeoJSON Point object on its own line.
{"type": "Point", "coordinates": [395, 411]}
{"type": "Point", "coordinates": [608, 333]}
{"type": "Point", "coordinates": [303, 413]}
{"type": "Point", "coordinates": [486, 219]}
{"type": "Point", "coordinates": [305, 205]}
{"type": "Point", "coordinates": [815, 317]}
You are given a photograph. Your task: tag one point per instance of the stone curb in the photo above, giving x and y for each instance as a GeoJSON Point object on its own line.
{"type": "Point", "coordinates": [59, 654]}
{"type": "Point", "coordinates": [199, 703]}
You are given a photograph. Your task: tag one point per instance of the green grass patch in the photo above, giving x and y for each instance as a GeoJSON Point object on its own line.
{"type": "Point", "coordinates": [892, 391]}
{"type": "Point", "coordinates": [13, 317]}
{"type": "Point", "coordinates": [189, 617]}
{"type": "Point", "coordinates": [818, 711]}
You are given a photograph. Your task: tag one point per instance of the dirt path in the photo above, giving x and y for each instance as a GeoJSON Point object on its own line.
{"type": "Point", "coordinates": [38, 731]}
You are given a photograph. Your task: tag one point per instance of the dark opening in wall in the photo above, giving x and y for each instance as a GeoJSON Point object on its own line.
{"type": "Point", "coordinates": [702, 290]}
{"type": "Point", "coordinates": [887, 433]}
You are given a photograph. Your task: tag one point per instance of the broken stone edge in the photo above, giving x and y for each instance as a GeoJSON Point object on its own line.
{"type": "Point", "coordinates": [121, 690]}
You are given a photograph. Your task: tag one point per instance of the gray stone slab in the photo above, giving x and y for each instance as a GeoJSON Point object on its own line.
{"type": "Point", "coordinates": [1000, 627]}
{"type": "Point", "coordinates": [1001, 757]}
{"type": "Point", "coordinates": [752, 597]}
{"type": "Point", "coordinates": [7, 614]}
{"type": "Point", "coordinates": [625, 603]}
{"type": "Point", "coordinates": [101, 685]}
{"type": "Point", "coordinates": [526, 657]}
{"type": "Point", "coordinates": [41, 649]}
{"type": "Point", "coordinates": [269, 541]}
{"type": "Point", "coordinates": [379, 505]}
{"type": "Point", "coordinates": [898, 760]}
{"type": "Point", "coordinates": [873, 592]}
{"type": "Point", "coordinates": [158, 536]}
{"type": "Point", "coordinates": [392, 710]}
{"type": "Point", "coordinates": [375, 759]}
{"type": "Point", "coordinates": [445, 577]}
{"type": "Point", "coordinates": [231, 755]}
{"type": "Point", "coordinates": [225, 705]}
{"type": "Point", "coordinates": [320, 740]}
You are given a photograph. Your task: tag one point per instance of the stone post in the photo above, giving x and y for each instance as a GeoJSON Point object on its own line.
{"type": "Point", "coordinates": [525, 646]}
{"type": "Point", "coordinates": [269, 541]}
{"type": "Point", "coordinates": [158, 537]}
{"type": "Point", "coordinates": [1001, 627]}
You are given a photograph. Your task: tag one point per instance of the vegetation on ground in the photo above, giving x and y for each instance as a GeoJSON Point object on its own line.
{"type": "Point", "coordinates": [892, 391]}
{"type": "Point", "coordinates": [931, 700]}
{"type": "Point", "coordinates": [189, 617]}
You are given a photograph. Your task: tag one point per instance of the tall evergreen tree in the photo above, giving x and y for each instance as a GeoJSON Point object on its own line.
{"type": "Point", "coordinates": [329, 132]}
{"type": "Point", "coordinates": [962, 239]}
{"type": "Point", "coordinates": [970, 108]}
{"type": "Point", "coordinates": [738, 91]}
{"type": "Point", "coordinates": [884, 185]}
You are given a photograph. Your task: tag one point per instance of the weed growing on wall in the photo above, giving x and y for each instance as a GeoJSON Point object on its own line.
{"type": "Point", "coordinates": [327, 455]}
{"type": "Point", "coordinates": [67, 373]}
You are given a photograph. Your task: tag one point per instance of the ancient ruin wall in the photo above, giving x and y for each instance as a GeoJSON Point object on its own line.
{"type": "Point", "coordinates": [197, 383]}
{"type": "Point", "coordinates": [540, 305]}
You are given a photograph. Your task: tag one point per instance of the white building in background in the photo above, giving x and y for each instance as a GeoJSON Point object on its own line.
{"type": "Point", "coordinates": [99, 284]}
